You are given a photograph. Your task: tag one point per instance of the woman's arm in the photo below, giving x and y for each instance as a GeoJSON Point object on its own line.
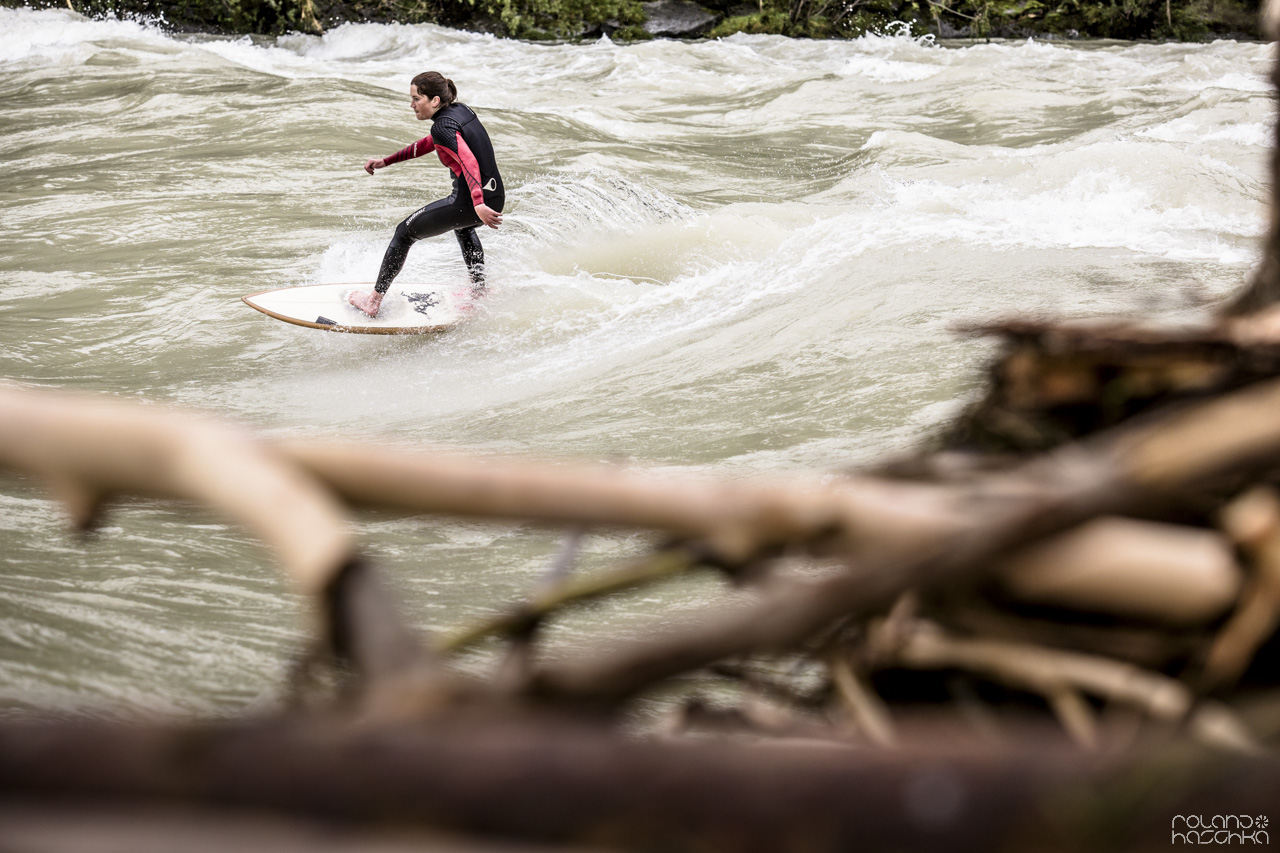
{"type": "Point", "coordinates": [423, 146]}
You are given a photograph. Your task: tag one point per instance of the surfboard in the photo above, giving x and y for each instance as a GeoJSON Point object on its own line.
{"type": "Point", "coordinates": [407, 309]}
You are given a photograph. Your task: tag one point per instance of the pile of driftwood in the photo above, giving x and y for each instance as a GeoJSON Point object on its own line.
{"type": "Point", "coordinates": [1054, 629]}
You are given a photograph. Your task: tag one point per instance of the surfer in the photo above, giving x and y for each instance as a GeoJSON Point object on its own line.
{"type": "Point", "coordinates": [461, 143]}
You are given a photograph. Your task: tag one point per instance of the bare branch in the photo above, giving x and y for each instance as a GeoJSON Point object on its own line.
{"type": "Point", "coordinates": [1253, 520]}
{"type": "Point", "coordinates": [1054, 674]}
{"type": "Point", "coordinates": [89, 448]}
{"type": "Point", "coordinates": [651, 568]}
{"type": "Point", "coordinates": [868, 712]}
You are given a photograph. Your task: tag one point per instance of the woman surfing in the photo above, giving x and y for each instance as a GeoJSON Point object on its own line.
{"type": "Point", "coordinates": [462, 144]}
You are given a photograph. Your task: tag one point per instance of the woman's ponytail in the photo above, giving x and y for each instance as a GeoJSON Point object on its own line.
{"type": "Point", "coordinates": [433, 84]}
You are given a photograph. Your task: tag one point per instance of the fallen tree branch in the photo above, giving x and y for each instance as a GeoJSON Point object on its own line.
{"type": "Point", "coordinates": [1253, 521]}
{"type": "Point", "coordinates": [663, 564]}
{"type": "Point", "coordinates": [865, 708]}
{"type": "Point", "coordinates": [551, 782]}
{"type": "Point", "coordinates": [1141, 466]}
{"type": "Point", "coordinates": [90, 448]}
{"type": "Point", "coordinates": [737, 519]}
{"type": "Point", "coordinates": [1043, 671]}
{"type": "Point", "coordinates": [1057, 675]}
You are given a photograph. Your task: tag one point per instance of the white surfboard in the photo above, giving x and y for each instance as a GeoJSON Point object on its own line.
{"type": "Point", "coordinates": [407, 309]}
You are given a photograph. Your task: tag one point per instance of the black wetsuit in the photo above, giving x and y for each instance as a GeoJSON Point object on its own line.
{"type": "Point", "coordinates": [462, 144]}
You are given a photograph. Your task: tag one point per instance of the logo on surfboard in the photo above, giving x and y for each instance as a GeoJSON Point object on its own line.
{"type": "Point", "coordinates": [423, 302]}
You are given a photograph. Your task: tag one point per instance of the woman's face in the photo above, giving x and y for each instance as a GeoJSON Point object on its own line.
{"type": "Point", "coordinates": [423, 107]}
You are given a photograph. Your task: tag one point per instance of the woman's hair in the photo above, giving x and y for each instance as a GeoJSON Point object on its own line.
{"type": "Point", "coordinates": [433, 84]}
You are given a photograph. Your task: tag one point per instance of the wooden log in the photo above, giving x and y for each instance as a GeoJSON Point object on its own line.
{"type": "Point", "coordinates": [737, 518]}
{"type": "Point", "coordinates": [1142, 467]}
{"type": "Point", "coordinates": [1151, 646]}
{"type": "Point", "coordinates": [88, 448]}
{"type": "Point", "coordinates": [110, 827]}
{"type": "Point", "coordinates": [1055, 674]}
{"type": "Point", "coordinates": [1058, 381]}
{"type": "Point", "coordinates": [1130, 569]}
{"type": "Point", "coordinates": [553, 782]}
{"type": "Point", "coordinates": [1253, 520]}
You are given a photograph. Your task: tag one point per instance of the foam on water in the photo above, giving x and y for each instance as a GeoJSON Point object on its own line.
{"type": "Point", "coordinates": [63, 38]}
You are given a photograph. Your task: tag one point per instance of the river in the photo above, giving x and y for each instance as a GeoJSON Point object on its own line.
{"type": "Point", "coordinates": [735, 257]}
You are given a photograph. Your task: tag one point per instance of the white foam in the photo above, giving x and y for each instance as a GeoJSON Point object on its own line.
{"type": "Point", "coordinates": [1190, 130]}
{"type": "Point", "coordinates": [1234, 81]}
{"type": "Point", "coordinates": [889, 71]}
{"type": "Point", "coordinates": [59, 37]}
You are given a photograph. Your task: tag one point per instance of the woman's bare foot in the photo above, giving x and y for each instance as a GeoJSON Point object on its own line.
{"type": "Point", "coordinates": [368, 304]}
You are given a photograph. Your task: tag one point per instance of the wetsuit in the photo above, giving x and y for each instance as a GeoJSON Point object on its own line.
{"type": "Point", "coordinates": [462, 144]}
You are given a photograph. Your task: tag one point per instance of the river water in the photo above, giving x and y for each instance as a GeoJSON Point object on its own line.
{"type": "Point", "coordinates": [740, 257]}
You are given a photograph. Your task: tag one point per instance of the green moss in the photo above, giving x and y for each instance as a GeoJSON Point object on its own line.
{"type": "Point", "coordinates": [1120, 19]}
{"type": "Point", "coordinates": [540, 19]}
{"type": "Point", "coordinates": [825, 19]}
{"type": "Point", "coordinates": [769, 23]}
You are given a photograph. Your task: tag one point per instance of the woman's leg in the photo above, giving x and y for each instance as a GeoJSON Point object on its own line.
{"type": "Point", "coordinates": [436, 218]}
{"type": "Point", "coordinates": [472, 254]}
{"type": "Point", "coordinates": [454, 213]}
{"type": "Point", "coordinates": [469, 238]}
{"type": "Point", "coordinates": [430, 221]}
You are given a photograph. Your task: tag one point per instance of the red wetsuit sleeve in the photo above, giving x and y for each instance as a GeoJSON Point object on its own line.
{"type": "Point", "coordinates": [464, 163]}
{"type": "Point", "coordinates": [425, 145]}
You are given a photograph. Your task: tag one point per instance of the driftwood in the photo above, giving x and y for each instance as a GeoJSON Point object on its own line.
{"type": "Point", "coordinates": [1129, 569]}
{"type": "Point", "coordinates": [1138, 470]}
{"type": "Point", "coordinates": [1054, 627]}
{"type": "Point", "coordinates": [549, 782]}
{"type": "Point", "coordinates": [1254, 521]}
{"type": "Point", "coordinates": [890, 537]}
{"type": "Point", "coordinates": [923, 574]}
{"type": "Point", "coordinates": [88, 449]}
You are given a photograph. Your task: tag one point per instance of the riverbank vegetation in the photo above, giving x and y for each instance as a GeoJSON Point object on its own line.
{"type": "Point", "coordinates": [1183, 20]}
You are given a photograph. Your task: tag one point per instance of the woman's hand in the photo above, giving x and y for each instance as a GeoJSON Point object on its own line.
{"type": "Point", "coordinates": [378, 163]}
{"type": "Point", "coordinates": [488, 215]}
